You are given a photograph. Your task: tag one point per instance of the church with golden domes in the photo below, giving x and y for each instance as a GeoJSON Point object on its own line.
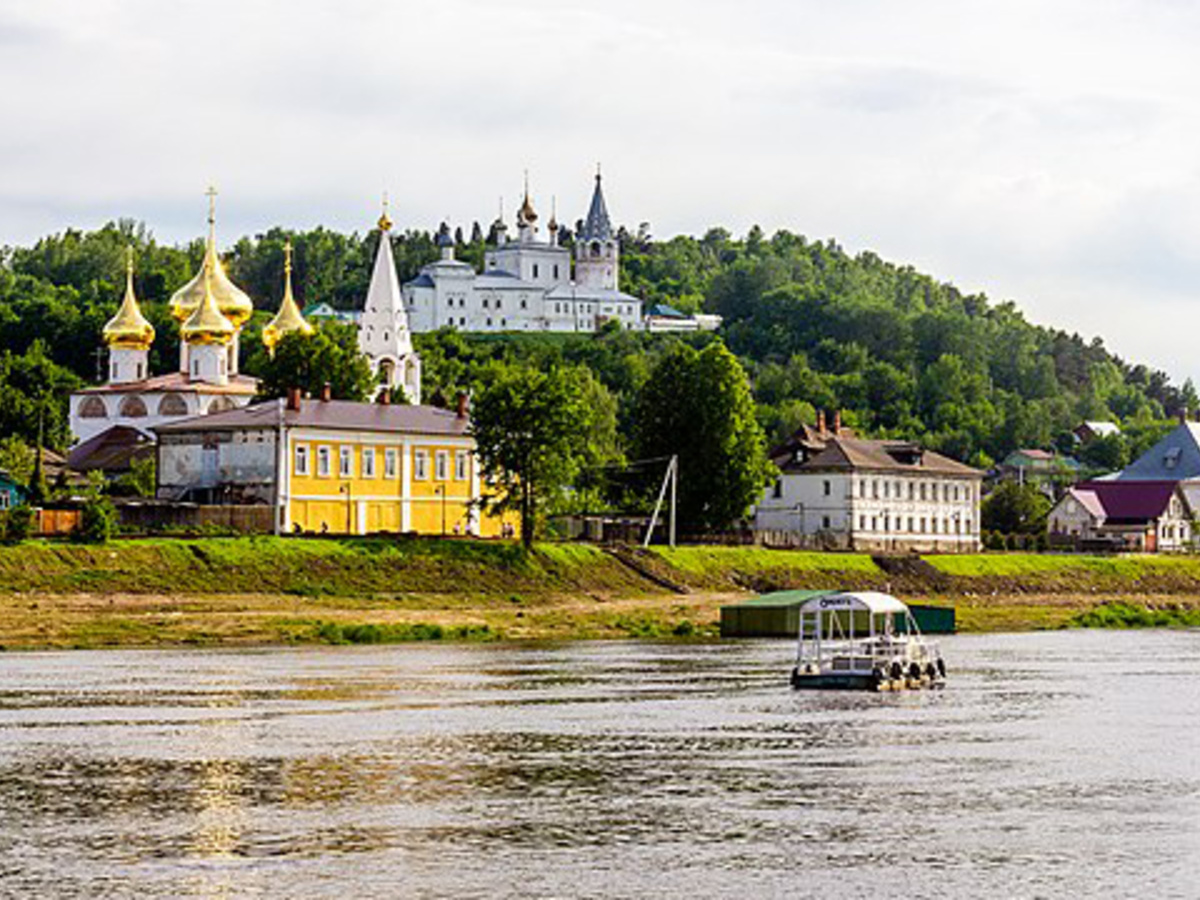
{"type": "Point", "coordinates": [211, 312]}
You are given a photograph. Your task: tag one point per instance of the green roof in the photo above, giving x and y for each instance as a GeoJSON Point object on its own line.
{"type": "Point", "coordinates": [785, 598]}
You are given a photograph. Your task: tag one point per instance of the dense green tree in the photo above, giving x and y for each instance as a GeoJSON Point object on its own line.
{"type": "Point", "coordinates": [532, 432]}
{"type": "Point", "coordinates": [330, 355]}
{"type": "Point", "coordinates": [697, 405]}
{"type": "Point", "coordinates": [1015, 509]}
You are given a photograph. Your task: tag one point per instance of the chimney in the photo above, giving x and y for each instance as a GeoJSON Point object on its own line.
{"type": "Point", "coordinates": [821, 422]}
{"type": "Point", "coordinates": [293, 399]}
{"type": "Point", "coordinates": [326, 392]}
{"type": "Point", "coordinates": [384, 398]}
{"type": "Point", "coordinates": [837, 422]}
{"type": "Point", "coordinates": [462, 405]}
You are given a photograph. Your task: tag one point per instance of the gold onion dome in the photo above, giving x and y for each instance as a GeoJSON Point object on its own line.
{"type": "Point", "coordinates": [129, 329]}
{"type": "Point", "coordinates": [207, 324]}
{"type": "Point", "coordinates": [526, 212]}
{"type": "Point", "coordinates": [289, 318]}
{"type": "Point", "coordinates": [231, 300]}
{"type": "Point", "coordinates": [385, 222]}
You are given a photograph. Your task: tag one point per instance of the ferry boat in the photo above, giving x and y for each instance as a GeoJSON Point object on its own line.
{"type": "Point", "coordinates": [864, 640]}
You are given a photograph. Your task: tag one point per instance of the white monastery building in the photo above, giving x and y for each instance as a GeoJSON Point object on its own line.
{"type": "Point", "coordinates": [528, 284]}
{"type": "Point", "coordinates": [838, 490]}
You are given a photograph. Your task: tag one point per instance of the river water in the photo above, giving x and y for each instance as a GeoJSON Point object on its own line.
{"type": "Point", "coordinates": [1053, 765]}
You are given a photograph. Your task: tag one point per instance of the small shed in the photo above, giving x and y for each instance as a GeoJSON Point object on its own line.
{"type": "Point", "coordinates": [778, 615]}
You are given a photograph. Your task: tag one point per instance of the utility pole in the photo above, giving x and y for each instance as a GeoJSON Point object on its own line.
{"type": "Point", "coordinates": [671, 480]}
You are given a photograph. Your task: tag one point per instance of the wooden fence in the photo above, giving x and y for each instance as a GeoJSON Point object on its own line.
{"type": "Point", "coordinates": [155, 517]}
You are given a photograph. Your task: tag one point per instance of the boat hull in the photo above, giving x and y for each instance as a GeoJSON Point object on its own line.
{"type": "Point", "coordinates": [854, 681]}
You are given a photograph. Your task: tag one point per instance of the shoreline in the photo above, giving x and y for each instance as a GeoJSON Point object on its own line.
{"type": "Point", "coordinates": [260, 591]}
{"type": "Point", "coordinates": [30, 622]}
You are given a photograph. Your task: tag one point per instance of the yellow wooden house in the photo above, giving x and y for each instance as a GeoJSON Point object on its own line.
{"type": "Point", "coordinates": [333, 466]}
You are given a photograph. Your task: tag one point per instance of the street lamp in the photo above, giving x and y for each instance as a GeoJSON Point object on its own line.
{"type": "Point", "coordinates": [345, 489]}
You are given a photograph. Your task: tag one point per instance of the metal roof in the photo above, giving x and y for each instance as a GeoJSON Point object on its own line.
{"type": "Point", "coordinates": [340, 415]}
{"type": "Point", "coordinates": [869, 601]}
{"type": "Point", "coordinates": [1175, 458]}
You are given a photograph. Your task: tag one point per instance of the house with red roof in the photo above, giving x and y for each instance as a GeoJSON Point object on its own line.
{"type": "Point", "coordinates": [1147, 516]}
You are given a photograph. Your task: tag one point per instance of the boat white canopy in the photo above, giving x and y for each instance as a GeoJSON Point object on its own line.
{"type": "Point", "coordinates": [855, 601]}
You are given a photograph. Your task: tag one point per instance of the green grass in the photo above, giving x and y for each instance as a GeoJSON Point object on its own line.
{"type": "Point", "coordinates": [309, 568]}
{"type": "Point", "coordinates": [1131, 615]}
{"type": "Point", "coordinates": [389, 633]}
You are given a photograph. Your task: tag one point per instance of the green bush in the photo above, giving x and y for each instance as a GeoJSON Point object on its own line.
{"type": "Point", "coordinates": [16, 524]}
{"type": "Point", "coordinates": [97, 522]}
{"type": "Point", "coordinates": [993, 540]}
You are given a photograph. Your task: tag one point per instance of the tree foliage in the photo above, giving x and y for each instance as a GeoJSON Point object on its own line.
{"type": "Point", "coordinates": [328, 356]}
{"type": "Point", "coordinates": [532, 432]}
{"type": "Point", "coordinates": [697, 405]}
{"type": "Point", "coordinates": [1015, 509]}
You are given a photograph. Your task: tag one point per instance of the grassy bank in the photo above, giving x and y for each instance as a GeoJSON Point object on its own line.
{"type": "Point", "coordinates": [269, 590]}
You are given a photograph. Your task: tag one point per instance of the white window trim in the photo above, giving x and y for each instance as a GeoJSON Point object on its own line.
{"type": "Point", "coordinates": [300, 457]}
{"type": "Point", "coordinates": [368, 462]}
{"type": "Point", "coordinates": [324, 461]}
{"type": "Point", "coordinates": [345, 462]}
{"type": "Point", "coordinates": [391, 460]}
{"type": "Point", "coordinates": [441, 466]}
{"type": "Point", "coordinates": [420, 465]}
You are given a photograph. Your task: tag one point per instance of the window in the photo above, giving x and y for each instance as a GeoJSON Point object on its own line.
{"type": "Point", "coordinates": [441, 465]}
{"type": "Point", "coordinates": [910, 523]}
{"type": "Point", "coordinates": [133, 407]}
{"type": "Point", "coordinates": [862, 523]}
{"type": "Point", "coordinates": [524, 305]}
{"type": "Point", "coordinates": [301, 459]}
{"type": "Point", "coordinates": [368, 462]}
{"type": "Point", "coordinates": [777, 492]}
{"type": "Point", "coordinates": [886, 489]}
{"type": "Point", "coordinates": [875, 490]}
{"type": "Point", "coordinates": [421, 465]}
{"type": "Point", "coordinates": [933, 525]}
{"type": "Point", "coordinates": [922, 496]}
{"type": "Point", "coordinates": [497, 303]}
{"type": "Point", "coordinates": [389, 462]}
{"type": "Point", "coordinates": [556, 271]}
{"type": "Point", "coordinates": [912, 491]}
{"type": "Point", "coordinates": [346, 462]}
{"type": "Point", "coordinates": [323, 462]}
{"type": "Point", "coordinates": [92, 408]}
{"type": "Point", "coordinates": [922, 524]}
{"type": "Point", "coordinates": [489, 322]}
{"type": "Point", "coordinates": [485, 303]}
{"type": "Point", "coordinates": [827, 488]}
{"type": "Point", "coordinates": [825, 522]}
{"type": "Point", "coordinates": [172, 405]}
{"type": "Point", "coordinates": [460, 465]}
{"type": "Point", "coordinates": [535, 270]}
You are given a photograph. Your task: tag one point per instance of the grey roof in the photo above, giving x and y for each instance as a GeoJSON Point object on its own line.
{"type": "Point", "coordinates": [1175, 458]}
{"type": "Point", "coordinates": [853, 454]}
{"type": "Point", "coordinates": [596, 295]}
{"type": "Point", "coordinates": [597, 227]}
{"type": "Point", "coordinates": [422, 280]}
{"type": "Point", "coordinates": [341, 415]}
{"type": "Point", "coordinates": [499, 280]}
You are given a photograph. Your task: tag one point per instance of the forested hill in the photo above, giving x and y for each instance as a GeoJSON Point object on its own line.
{"type": "Point", "coordinates": [901, 352]}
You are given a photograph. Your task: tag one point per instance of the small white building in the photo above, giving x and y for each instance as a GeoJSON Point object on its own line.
{"type": "Point", "coordinates": [383, 331]}
{"type": "Point", "coordinates": [838, 490]}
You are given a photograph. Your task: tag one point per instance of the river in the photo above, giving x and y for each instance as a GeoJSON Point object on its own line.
{"type": "Point", "coordinates": [1057, 765]}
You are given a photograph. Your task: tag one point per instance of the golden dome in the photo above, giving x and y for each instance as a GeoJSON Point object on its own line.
{"type": "Point", "coordinates": [289, 318]}
{"type": "Point", "coordinates": [385, 222]}
{"type": "Point", "coordinates": [207, 324]}
{"type": "Point", "coordinates": [128, 329]}
{"type": "Point", "coordinates": [231, 300]}
{"type": "Point", "coordinates": [526, 214]}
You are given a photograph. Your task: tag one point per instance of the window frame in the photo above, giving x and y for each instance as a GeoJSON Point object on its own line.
{"type": "Point", "coordinates": [367, 463]}
{"type": "Point", "coordinates": [391, 459]}
{"type": "Point", "coordinates": [462, 471]}
{"type": "Point", "coordinates": [324, 461]}
{"type": "Point", "coordinates": [300, 460]}
{"type": "Point", "coordinates": [420, 464]}
{"type": "Point", "coordinates": [345, 461]}
{"type": "Point", "coordinates": [441, 465]}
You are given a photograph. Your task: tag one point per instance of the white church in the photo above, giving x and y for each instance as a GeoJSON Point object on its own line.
{"type": "Point", "coordinates": [527, 284]}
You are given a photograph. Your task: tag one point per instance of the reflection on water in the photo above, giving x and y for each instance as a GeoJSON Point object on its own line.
{"type": "Point", "coordinates": [1053, 765]}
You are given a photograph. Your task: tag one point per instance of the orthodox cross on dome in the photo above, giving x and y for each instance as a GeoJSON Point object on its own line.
{"type": "Point", "coordinates": [287, 257]}
{"type": "Point", "coordinates": [211, 194]}
{"type": "Point", "coordinates": [385, 221]}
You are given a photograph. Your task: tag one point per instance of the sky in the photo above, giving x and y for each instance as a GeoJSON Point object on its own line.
{"type": "Point", "coordinates": [1041, 151]}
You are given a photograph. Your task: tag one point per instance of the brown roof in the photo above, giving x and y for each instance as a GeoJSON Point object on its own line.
{"type": "Point", "coordinates": [341, 415]}
{"type": "Point", "coordinates": [111, 450]}
{"type": "Point", "coordinates": [178, 382]}
{"type": "Point", "coordinates": [843, 453]}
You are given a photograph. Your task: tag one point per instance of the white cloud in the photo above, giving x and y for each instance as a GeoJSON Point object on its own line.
{"type": "Point", "coordinates": [1043, 152]}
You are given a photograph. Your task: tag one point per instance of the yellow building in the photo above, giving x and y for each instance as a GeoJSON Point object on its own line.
{"type": "Point", "coordinates": [332, 466]}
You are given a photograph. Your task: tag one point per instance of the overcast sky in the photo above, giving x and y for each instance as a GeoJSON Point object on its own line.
{"type": "Point", "coordinates": [1040, 151]}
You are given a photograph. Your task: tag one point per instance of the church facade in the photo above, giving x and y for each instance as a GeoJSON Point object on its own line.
{"type": "Point", "coordinates": [528, 284]}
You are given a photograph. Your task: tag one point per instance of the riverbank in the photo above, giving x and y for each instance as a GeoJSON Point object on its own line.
{"type": "Point", "coordinates": [263, 590]}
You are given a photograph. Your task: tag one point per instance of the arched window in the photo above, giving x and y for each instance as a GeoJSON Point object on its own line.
{"type": "Point", "coordinates": [220, 404]}
{"type": "Point", "coordinates": [386, 370]}
{"type": "Point", "coordinates": [595, 248]}
{"type": "Point", "coordinates": [133, 408]}
{"type": "Point", "coordinates": [172, 405]}
{"type": "Point", "coordinates": [92, 408]}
